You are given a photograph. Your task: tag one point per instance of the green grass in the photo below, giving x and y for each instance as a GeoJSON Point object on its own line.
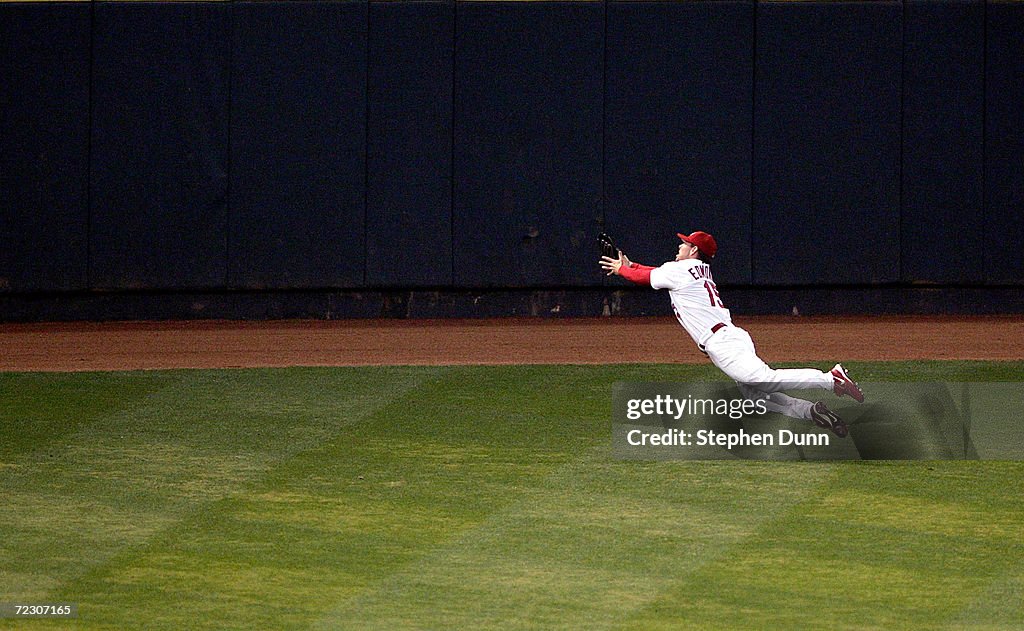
{"type": "Point", "coordinates": [472, 497]}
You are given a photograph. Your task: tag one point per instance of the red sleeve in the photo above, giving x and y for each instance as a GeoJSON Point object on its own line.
{"type": "Point", "coordinates": [639, 274]}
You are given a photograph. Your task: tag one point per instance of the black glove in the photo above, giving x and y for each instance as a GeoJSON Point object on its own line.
{"type": "Point", "coordinates": [607, 246]}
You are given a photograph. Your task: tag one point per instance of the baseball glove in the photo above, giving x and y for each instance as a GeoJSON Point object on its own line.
{"type": "Point", "coordinates": [607, 246]}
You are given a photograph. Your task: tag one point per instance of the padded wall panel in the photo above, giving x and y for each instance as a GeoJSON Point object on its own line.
{"type": "Point", "coordinates": [1004, 143]}
{"type": "Point", "coordinates": [44, 146]}
{"type": "Point", "coordinates": [409, 144]}
{"type": "Point", "coordinates": [943, 114]}
{"type": "Point", "coordinates": [298, 145]}
{"type": "Point", "coordinates": [159, 172]}
{"type": "Point", "coordinates": [827, 142]}
{"type": "Point", "coordinates": [528, 127]}
{"type": "Point", "coordinates": [678, 135]}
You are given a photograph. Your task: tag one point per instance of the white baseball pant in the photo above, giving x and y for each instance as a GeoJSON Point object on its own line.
{"type": "Point", "coordinates": [732, 350]}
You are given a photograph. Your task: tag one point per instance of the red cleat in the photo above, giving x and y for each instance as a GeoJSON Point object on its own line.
{"type": "Point", "coordinates": [824, 417]}
{"type": "Point", "coordinates": [842, 384]}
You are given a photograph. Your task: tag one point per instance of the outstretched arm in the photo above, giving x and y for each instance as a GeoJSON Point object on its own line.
{"type": "Point", "coordinates": [622, 266]}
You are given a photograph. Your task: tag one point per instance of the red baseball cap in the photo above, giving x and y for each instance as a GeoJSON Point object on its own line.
{"type": "Point", "coordinates": [702, 240]}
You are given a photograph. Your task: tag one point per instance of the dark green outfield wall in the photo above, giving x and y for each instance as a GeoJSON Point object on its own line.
{"type": "Point", "coordinates": [476, 147]}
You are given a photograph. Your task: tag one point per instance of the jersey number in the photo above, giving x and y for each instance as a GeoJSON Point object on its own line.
{"type": "Point", "coordinates": [716, 300]}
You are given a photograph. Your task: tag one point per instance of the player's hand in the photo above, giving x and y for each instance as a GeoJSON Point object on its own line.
{"type": "Point", "coordinates": [611, 265]}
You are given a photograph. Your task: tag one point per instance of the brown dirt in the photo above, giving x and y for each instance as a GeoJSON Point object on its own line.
{"type": "Point", "coordinates": [205, 344]}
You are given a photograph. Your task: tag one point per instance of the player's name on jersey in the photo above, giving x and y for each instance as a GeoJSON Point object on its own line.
{"type": "Point", "coordinates": [701, 272]}
{"type": "Point", "coordinates": [728, 440]}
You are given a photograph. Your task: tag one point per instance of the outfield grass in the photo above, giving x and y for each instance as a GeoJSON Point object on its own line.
{"type": "Point", "coordinates": [472, 497]}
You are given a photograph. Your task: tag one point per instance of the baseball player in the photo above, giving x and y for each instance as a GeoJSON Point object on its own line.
{"type": "Point", "coordinates": [699, 309]}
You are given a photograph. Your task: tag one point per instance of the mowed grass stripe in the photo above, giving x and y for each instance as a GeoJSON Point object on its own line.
{"type": "Point", "coordinates": [335, 519]}
{"type": "Point", "coordinates": [592, 542]}
{"type": "Point", "coordinates": [484, 497]}
{"type": "Point", "coordinates": [122, 478]}
{"type": "Point", "coordinates": [876, 548]}
{"type": "Point", "coordinates": [41, 409]}
{"type": "Point", "coordinates": [47, 508]}
{"type": "Point", "coordinates": [994, 604]}
{"type": "Point", "coordinates": [428, 472]}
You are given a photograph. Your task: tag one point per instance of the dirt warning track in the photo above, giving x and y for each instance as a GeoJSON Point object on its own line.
{"type": "Point", "coordinates": [227, 344]}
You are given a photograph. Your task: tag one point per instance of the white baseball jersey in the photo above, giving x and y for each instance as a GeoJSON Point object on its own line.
{"type": "Point", "coordinates": [698, 308]}
{"type": "Point", "coordinates": [694, 296]}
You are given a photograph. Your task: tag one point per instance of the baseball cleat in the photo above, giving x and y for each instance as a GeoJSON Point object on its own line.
{"type": "Point", "coordinates": [842, 384]}
{"type": "Point", "coordinates": [824, 417]}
